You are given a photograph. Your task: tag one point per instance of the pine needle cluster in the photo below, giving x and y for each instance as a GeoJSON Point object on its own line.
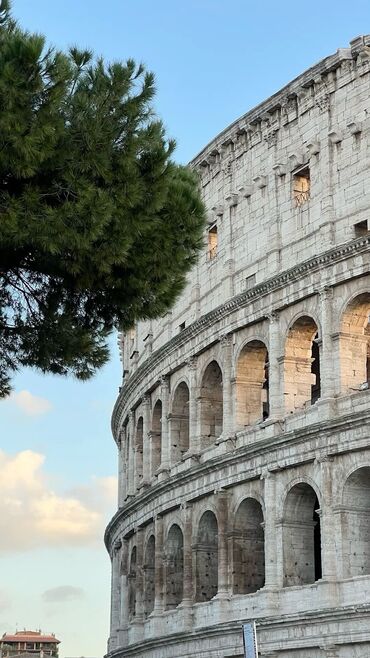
{"type": "Point", "coordinates": [98, 225]}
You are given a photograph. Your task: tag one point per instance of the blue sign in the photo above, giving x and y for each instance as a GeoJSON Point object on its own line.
{"type": "Point", "coordinates": [250, 640]}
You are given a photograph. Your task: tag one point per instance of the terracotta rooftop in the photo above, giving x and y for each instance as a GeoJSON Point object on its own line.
{"type": "Point", "coordinates": [29, 636]}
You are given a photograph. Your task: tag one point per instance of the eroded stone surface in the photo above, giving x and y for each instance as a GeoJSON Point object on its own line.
{"type": "Point", "coordinates": [243, 421]}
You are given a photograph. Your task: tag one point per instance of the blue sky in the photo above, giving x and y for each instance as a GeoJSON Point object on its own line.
{"type": "Point", "coordinates": [213, 61]}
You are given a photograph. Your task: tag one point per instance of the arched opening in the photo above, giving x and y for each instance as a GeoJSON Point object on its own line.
{"type": "Point", "coordinates": [211, 404]}
{"type": "Point", "coordinates": [206, 558]}
{"type": "Point", "coordinates": [301, 536]}
{"type": "Point", "coordinates": [174, 562]}
{"type": "Point", "coordinates": [252, 384]}
{"type": "Point", "coordinates": [156, 436]}
{"type": "Point", "coordinates": [139, 450]}
{"type": "Point", "coordinates": [302, 385]}
{"type": "Point", "coordinates": [179, 423]}
{"type": "Point", "coordinates": [248, 548]}
{"type": "Point", "coordinates": [355, 345]}
{"type": "Point", "coordinates": [356, 524]}
{"type": "Point", "coordinates": [149, 563]}
{"type": "Point", "coordinates": [132, 584]}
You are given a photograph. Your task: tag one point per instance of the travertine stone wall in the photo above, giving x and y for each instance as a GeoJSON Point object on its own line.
{"type": "Point", "coordinates": [243, 437]}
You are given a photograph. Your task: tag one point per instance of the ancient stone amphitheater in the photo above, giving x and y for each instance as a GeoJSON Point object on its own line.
{"type": "Point", "coordinates": [243, 422]}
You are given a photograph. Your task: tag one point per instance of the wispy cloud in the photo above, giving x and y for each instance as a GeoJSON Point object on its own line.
{"type": "Point", "coordinates": [29, 404]}
{"type": "Point", "coordinates": [62, 594]}
{"type": "Point", "coordinates": [32, 514]}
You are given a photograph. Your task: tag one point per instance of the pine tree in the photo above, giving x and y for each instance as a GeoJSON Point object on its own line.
{"type": "Point", "coordinates": [98, 225]}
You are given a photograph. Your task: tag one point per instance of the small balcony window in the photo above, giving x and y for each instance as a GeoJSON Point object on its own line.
{"type": "Point", "coordinates": [212, 242]}
{"type": "Point", "coordinates": [301, 186]}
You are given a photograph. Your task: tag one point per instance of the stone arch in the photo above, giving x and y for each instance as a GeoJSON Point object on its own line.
{"type": "Point", "coordinates": [206, 557]}
{"type": "Point", "coordinates": [156, 437]}
{"type": "Point", "coordinates": [252, 384]}
{"type": "Point", "coordinates": [132, 583]}
{"type": "Point", "coordinates": [149, 581]}
{"type": "Point", "coordinates": [302, 384]}
{"type": "Point", "coordinates": [174, 567]}
{"type": "Point", "coordinates": [179, 422]}
{"type": "Point", "coordinates": [211, 404]}
{"type": "Point", "coordinates": [139, 437]}
{"type": "Point", "coordinates": [356, 523]}
{"type": "Point", "coordinates": [248, 548]}
{"type": "Point", "coordinates": [354, 344]}
{"type": "Point", "coordinates": [301, 536]}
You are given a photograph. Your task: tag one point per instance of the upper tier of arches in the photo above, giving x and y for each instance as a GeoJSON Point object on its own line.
{"type": "Point", "coordinates": [244, 382]}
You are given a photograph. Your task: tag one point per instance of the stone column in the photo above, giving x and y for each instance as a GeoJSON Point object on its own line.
{"type": "Point", "coordinates": [326, 353]}
{"type": "Point", "coordinates": [276, 381]}
{"type": "Point", "coordinates": [194, 411]}
{"type": "Point", "coordinates": [146, 440]}
{"type": "Point", "coordinates": [329, 535]}
{"type": "Point", "coordinates": [131, 456]}
{"type": "Point", "coordinates": [325, 165]}
{"type": "Point", "coordinates": [165, 447]}
{"type": "Point", "coordinates": [188, 591]}
{"type": "Point", "coordinates": [228, 411]}
{"type": "Point", "coordinates": [158, 566]}
{"type": "Point", "coordinates": [139, 616]}
{"type": "Point", "coordinates": [115, 596]}
{"type": "Point", "coordinates": [122, 469]}
{"type": "Point", "coordinates": [223, 562]}
{"type": "Point", "coordinates": [124, 620]}
{"type": "Point", "coordinates": [272, 579]}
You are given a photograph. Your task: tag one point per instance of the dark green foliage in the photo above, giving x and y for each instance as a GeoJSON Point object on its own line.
{"type": "Point", "coordinates": [98, 226]}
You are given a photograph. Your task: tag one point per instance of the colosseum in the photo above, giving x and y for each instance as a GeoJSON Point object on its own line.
{"type": "Point", "coordinates": [243, 421]}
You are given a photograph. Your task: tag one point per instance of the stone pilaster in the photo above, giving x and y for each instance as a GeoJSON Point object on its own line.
{"type": "Point", "coordinates": [188, 592]}
{"type": "Point", "coordinates": [329, 536]}
{"type": "Point", "coordinates": [122, 468]}
{"type": "Point", "coordinates": [124, 620]}
{"type": "Point", "coordinates": [139, 616]}
{"type": "Point", "coordinates": [228, 410]}
{"type": "Point", "coordinates": [272, 577]}
{"type": "Point", "coordinates": [276, 392]}
{"type": "Point", "coordinates": [223, 559]}
{"type": "Point", "coordinates": [115, 596]}
{"type": "Point", "coordinates": [194, 408]}
{"type": "Point", "coordinates": [131, 456]}
{"type": "Point", "coordinates": [327, 366]}
{"type": "Point", "coordinates": [146, 439]}
{"type": "Point", "coordinates": [165, 448]}
{"type": "Point", "coordinates": [158, 566]}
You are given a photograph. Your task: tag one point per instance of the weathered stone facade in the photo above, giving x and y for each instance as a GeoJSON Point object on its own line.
{"type": "Point", "coordinates": [243, 423]}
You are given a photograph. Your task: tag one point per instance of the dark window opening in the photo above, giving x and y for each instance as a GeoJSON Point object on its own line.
{"type": "Point", "coordinates": [265, 390]}
{"type": "Point", "coordinates": [360, 229]}
{"type": "Point", "coordinates": [317, 541]}
{"type": "Point", "coordinates": [182, 326]}
{"type": "Point", "coordinates": [315, 371]}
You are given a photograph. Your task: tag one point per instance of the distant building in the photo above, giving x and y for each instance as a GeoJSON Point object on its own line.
{"type": "Point", "coordinates": [28, 644]}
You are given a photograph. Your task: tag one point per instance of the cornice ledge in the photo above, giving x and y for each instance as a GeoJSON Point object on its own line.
{"type": "Point", "coordinates": [229, 627]}
{"type": "Point", "coordinates": [239, 301]}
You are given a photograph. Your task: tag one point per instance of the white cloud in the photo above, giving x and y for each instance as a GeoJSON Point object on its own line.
{"type": "Point", "coordinates": [62, 594]}
{"type": "Point", "coordinates": [32, 514]}
{"type": "Point", "coordinates": [30, 404]}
